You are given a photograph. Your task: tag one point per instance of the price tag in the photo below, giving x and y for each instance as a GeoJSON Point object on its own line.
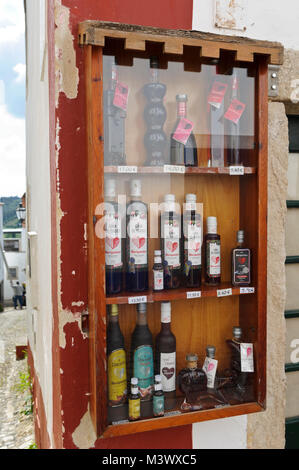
{"type": "Point", "coordinates": [224, 292]}
{"type": "Point", "coordinates": [174, 169]}
{"type": "Point", "coordinates": [137, 300]}
{"type": "Point", "coordinates": [126, 169]}
{"type": "Point", "coordinates": [193, 294]}
{"type": "Point", "coordinates": [246, 290]}
{"type": "Point", "coordinates": [172, 413]}
{"type": "Point", "coordinates": [236, 170]}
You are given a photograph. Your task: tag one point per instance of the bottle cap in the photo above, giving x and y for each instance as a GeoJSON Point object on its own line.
{"type": "Point", "coordinates": [169, 198]}
{"type": "Point", "coordinates": [165, 312]}
{"type": "Point", "coordinates": [190, 197]}
{"type": "Point", "coordinates": [158, 378]}
{"type": "Point", "coordinates": [211, 351]}
{"type": "Point", "coordinates": [237, 332]}
{"type": "Point", "coordinates": [240, 236]}
{"type": "Point", "coordinates": [192, 357]}
{"type": "Point", "coordinates": [135, 188]}
{"type": "Point", "coordinates": [181, 97]}
{"type": "Point", "coordinates": [109, 188]}
{"type": "Point", "coordinates": [212, 224]}
{"type": "Point", "coordinates": [157, 253]}
{"type": "Point", "coordinates": [141, 308]}
{"type": "Point", "coordinates": [114, 310]}
{"type": "Point", "coordinates": [134, 381]}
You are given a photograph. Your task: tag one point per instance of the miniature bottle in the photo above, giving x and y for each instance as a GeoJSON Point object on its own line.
{"type": "Point", "coordinates": [192, 227]}
{"type": "Point", "coordinates": [116, 354]}
{"type": "Point", "coordinates": [182, 151]}
{"type": "Point", "coordinates": [113, 241]}
{"type": "Point", "coordinates": [212, 253]}
{"type": "Point", "coordinates": [241, 262]}
{"type": "Point", "coordinates": [171, 243]}
{"type": "Point", "coordinates": [134, 401]}
{"type": "Point", "coordinates": [158, 397]}
{"type": "Point", "coordinates": [158, 272]}
{"type": "Point", "coordinates": [136, 241]}
{"type": "Point", "coordinates": [192, 380]}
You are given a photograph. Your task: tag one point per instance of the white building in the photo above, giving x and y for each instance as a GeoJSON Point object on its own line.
{"type": "Point", "coordinates": [14, 243]}
{"type": "Point", "coordinates": [1, 258]}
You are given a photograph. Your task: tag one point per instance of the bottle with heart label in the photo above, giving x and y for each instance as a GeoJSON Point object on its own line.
{"type": "Point", "coordinates": [165, 355]}
{"type": "Point", "coordinates": [158, 272]}
{"type": "Point", "coordinates": [183, 150]}
{"type": "Point", "coordinates": [212, 253]}
{"type": "Point", "coordinates": [171, 242]}
{"type": "Point", "coordinates": [241, 262]}
{"type": "Point", "coordinates": [192, 228]}
{"type": "Point", "coordinates": [136, 241]}
{"type": "Point", "coordinates": [113, 241]}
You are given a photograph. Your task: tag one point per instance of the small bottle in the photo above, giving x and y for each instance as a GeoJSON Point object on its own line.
{"type": "Point", "coordinates": [171, 243]}
{"type": "Point", "coordinates": [212, 253]}
{"type": "Point", "coordinates": [158, 272]}
{"type": "Point", "coordinates": [192, 380]}
{"type": "Point", "coordinates": [192, 227]}
{"type": "Point", "coordinates": [158, 397]}
{"type": "Point", "coordinates": [134, 401]}
{"type": "Point", "coordinates": [210, 366]}
{"type": "Point", "coordinates": [240, 378]}
{"type": "Point", "coordinates": [241, 262]}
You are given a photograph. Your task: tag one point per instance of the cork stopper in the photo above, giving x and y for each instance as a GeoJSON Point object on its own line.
{"type": "Point", "coordinates": [210, 350]}
{"type": "Point", "coordinates": [191, 359]}
{"type": "Point", "coordinates": [240, 236]}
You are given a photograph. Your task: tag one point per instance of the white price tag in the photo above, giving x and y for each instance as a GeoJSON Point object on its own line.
{"type": "Point", "coordinates": [174, 169]}
{"type": "Point", "coordinates": [126, 169]}
{"type": "Point", "coordinates": [140, 299]}
{"type": "Point", "coordinates": [193, 294]}
{"type": "Point", "coordinates": [224, 292]}
{"type": "Point", "coordinates": [236, 170]}
{"type": "Point", "coordinates": [246, 290]}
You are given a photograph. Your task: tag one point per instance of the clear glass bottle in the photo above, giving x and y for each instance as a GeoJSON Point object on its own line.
{"type": "Point", "coordinates": [233, 131]}
{"type": "Point", "coordinates": [171, 243]}
{"type": "Point", "coordinates": [182, 153]}
{"type": "Point", "coordinates": [192, 228]}
{"type": "Point", "coordinates": [134, 401]}
{"type": "Point", "coordinates": [212, 253]}
{"type": "Point", "coordinates": [241, 262]}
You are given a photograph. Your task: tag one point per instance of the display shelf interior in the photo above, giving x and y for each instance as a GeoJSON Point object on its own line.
{"type": "Point", "coordinates": [187, 170]}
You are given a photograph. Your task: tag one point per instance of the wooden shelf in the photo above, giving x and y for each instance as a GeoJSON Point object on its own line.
{"type": "Point", "coordinates": [131, 170]}
{"type": "Point", "coordinates": [182, 293]}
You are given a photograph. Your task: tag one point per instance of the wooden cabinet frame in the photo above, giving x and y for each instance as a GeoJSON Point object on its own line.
{"type": "Point", "coordinates": [92, 36]}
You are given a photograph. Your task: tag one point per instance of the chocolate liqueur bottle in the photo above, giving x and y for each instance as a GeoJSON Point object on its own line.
{"type": "Point", "coordinates": [241, 262]}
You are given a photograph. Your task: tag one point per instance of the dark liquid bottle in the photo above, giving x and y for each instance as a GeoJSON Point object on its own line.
{"type": "Point", "coordinates": [158, 398]}
{"type": "Point", "coordinates": [136, 241]}
{"type": "Point", "coordinates": [114, 125]}
{"type": "Point", "coordinates": [192, 381]}
{"type": "Point", "coordinates": [155, 116]}
{"type": "Point", "coordinates": [212, 253]}
{"type": "Point", "coordinates": [171, 243]}
{"type": "Point", "coordinates": [192, 227]}
{"type": "Point", "coordinates": [182, 153]}
{"type": "Point", "coordinates": [117, 375]}
{"type": "Point", "coordinates": [158, 272]}
{"type": "Point", "coordinates": [134, 401]}
{"type": "Point", "coordinates": [142, 358]}
{"type": "Point", "coordinates": [113, 241]}
{"type": "Point", "coordinates": [241, 262]}
{"type": "Point", "coordinates": [165, 355]}
{"type": "Point", "coordinates": [233, 129]}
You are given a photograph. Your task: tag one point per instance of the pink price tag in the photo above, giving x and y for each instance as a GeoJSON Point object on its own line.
{"type": "Point", "coordinates": [217, 93]}
{"type": "Point", "coordinates": [183, 130]}
{"type": "Point", "coordinates": [235, 111]}
{"type": "Point", "coordinates": [120, 99]}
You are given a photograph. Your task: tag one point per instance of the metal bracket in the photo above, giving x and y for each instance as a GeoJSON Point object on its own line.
{"type": "Point", "coordinates": [273, 80]}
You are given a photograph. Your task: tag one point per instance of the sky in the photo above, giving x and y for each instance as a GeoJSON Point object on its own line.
{"type": "Point", "coordinates": [12, 98]}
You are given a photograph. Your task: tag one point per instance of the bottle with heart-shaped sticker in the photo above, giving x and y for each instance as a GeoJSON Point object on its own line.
{"type": "Point", "coordinates": [212, 253]}
{"type": "Point", "coordinates": [192, 228]}
{"type": "Point", "coordinates": [241, 262]}
{"type": "Point", "coordinates": [170, 223]}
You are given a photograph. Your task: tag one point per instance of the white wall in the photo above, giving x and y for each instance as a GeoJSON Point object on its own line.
{"type": "Point", "coordinates": [1, 241]}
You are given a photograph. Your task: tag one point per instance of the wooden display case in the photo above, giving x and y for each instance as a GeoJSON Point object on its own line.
{"type": "Point", "coordinates": [189, 63]}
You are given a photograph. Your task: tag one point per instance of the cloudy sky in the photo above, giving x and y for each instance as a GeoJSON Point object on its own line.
{"type": "Point", "coordinates": [12, 98]}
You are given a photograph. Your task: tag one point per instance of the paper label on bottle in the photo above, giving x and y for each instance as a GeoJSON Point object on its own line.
{"type": "Point", "coordinates": [247, 290]}
{"type": "Point", "coordinates": [213, 258]}
{"type": "Point", "coordinates": [137, 231]}
{"type": "Point", "coordinates": [210, 368]}
{"type": "Point", "coordinates": [224, 292]}
{"type": "Point", "coordinates": [144, 369]}
{"type": "Point", "coordinates": [235, 111]}
{"type": "Point", "coordinates": [246, 352]}
{"type": "Point", "coordinates": [193, 294]}
{"type": "Point", "coordinates": [194, 243]}
{"type": "Point", "coordinates": [113, 254]}
{"type": "Point", "coordinates": [167, 371]}
{"type": "Point", "coordinates": [172, 243]}
{"type": "Point", "coordinates": [158, 280]}
{"type": "Point", "coordinates": [235, 170]}
{"type": "Point", "coordinates": [121, 93]}
{"type": "Point", "coordinates": [241, 266]}
{"type": "Point", "coordinates": [127, 169]}
{"type": "Point", "coordinates": [217, 93]}
{"type": "Point", "coordinates": [158, 405]}
{"type": "Point", "coordinates": [183, 130]}
{"type": "Point", "coordinates": [139, 299]}
{"type": "Point", "coordinates": [117, 377]}
{"type": "Point", "coordinates": [134, 409]}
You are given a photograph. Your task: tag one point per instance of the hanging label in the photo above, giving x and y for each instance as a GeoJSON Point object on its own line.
{"type": "Point", "coordinates": [127, 169]}
{"type": "Point", "coordinates": [217, 93]}
{"type": "Point", "coordinates": [138, 237]}
{"type": "Point", "coordinates": [117, 377]}
{"type": "Point", "coordinates": [224, 292]}
{"type": "Point", "coordinates": [210, 368]}
{"type": "Point", "coordinates": [194, 243]}
{"type": "Point", "coordinates": [172, 243]}
{"type": "Point", "coordinates": [235, 111]}
{"type": "Point", "coordinates": [236, 170]}
{"type": "Point", "coordinates": [140, 299]}
{"type": "Point", "coordinates": [183, 130]}
{"type": "Point", "coordinates": [121, 93]}
{"type": "Point", "coordinates": [246, 351]}
{"type": "Point", "coordinates": [167, 371]}
{"type": "Point", "coordinates": [247, 290]}
{"type": "Point", "coordinates": [174, 169]}
{"type": "Point", "coordinates": [144, 369]}
{"type": "Point", "coordinates": [113, 255]}
{"type": "Point", "coordinates": [193, 294]}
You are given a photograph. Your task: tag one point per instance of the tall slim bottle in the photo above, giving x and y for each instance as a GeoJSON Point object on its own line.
{"type": "Point", "coordinates": [165, 353]}
{"type": "Point", "coordinates": [182, 153]}
{"type": "Point", "coordinates": [212, 253]}
{"type": "Point", "coordinates": [136, 241]}
{"type": "Point", "coordinates": [171, 243]}
{"type": "Point", "coordinates": [116, 354]}
{"type": "Point", "coordinates": [113, 241]}
{"type": "Point", "coordinates": [192, 228]}
{"type": "Point", "coordinates": [233, 147]}
{"type": "Point", "coordinates": [142, 357]}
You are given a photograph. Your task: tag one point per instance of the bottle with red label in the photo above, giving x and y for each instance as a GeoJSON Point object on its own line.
{"type": "Point", "coordinates": [158, 272]}
{"type": "Point", "coordinates": [183, 150]}
{"type": "Point", "coordinates": [171, 242]}
{"type": "Point", "coordinates": [212, 253]}
{"type": "Point", "coordinates": [136, 241]}
{"type": "Point", "coordinates": [241, 262]}
{"type": "Point", "coordinates": [192, 227]}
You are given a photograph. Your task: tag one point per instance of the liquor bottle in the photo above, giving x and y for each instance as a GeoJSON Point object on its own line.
{"type": "Point", "coordinates": [136, 241]}
{"type": "Point", "coordinates": [192, 227]}
{"type": "Point", "coordinates": [158, 397]}
{"type": "Point", "coordinates": [192, 381]}
{"type": "Point", "coordinates": [210, 366]}
{"type": "Point", "coordinates": [113, 241]}
{"type": "Point", "coordinates": [241, 262]}
{"type": "Point", "coordinates": [233, 129]}
{"type": "Point", "coordinates": [171, 243]}
{"type": "Point", "coordinates": [114, 124]}
{"type": "Point", "coordinates": [155, 116]}
{"type": "Point", "coordinates": [117, 374]}
{"type": "Point", "coordinates": [134, 401]}
{"type": "Point", "coordinates": [182, 151]}
{"type": "Point", "coordinates": [142, 357]}
{"type": "Point", "coordinates": [165, 354]}
{"type": "Point", "coordinates": [158, 272]}
{"type": "Point", "coordinates": [212, 253]}
{"type": "Point", "coordinates": [240, 368]}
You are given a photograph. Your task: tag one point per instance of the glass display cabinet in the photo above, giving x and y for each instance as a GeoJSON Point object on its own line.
{"type": "Point", "coordinates": [177, 233]}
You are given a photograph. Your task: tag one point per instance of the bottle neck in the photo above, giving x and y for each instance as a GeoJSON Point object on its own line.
{"type": "Point", "coordinates": [165, 326]}
{"type": "Point", "coordinates": [135, 198]}
{"type": "Point", "coordinates": [191, 364]}
{"type": "Point", "coordinates": [141, 318]}
{"type": "Point", "coordinates": [114, 77]}
{"type": "Point", "coordinates": [110, 199]}
{"type": "Point", "coordinates": [240, 244]}
{"type": "Point", "coordinates": [113, 319]}
{"type": "Point", "coordinates": [154, 75]}
{"type": "Point", "coordinates": [181, 109]}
